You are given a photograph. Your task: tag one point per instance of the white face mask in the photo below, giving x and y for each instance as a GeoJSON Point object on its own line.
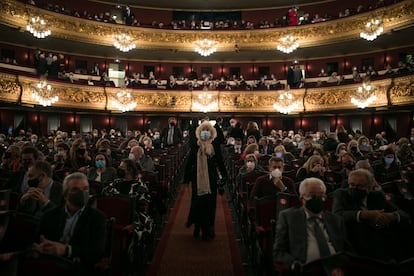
{"type": "Point", "coordinates": [250, 164]}
{"type": "Point", "coordinates": [146, 142]}
{"type": "Point", "coordinates": [276, 173]}
{"type": "Point", "coordinates": [131, 156]}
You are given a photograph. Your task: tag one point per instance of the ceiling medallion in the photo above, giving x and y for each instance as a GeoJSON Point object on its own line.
{"type": "Point", "coordinates": [288, 44]}
{"type": "Point", "coordinates": [124, 43]}
{"type": "Point", "coordinates": [372, 30]}
{"type": "Point", "coordinates": [37, 27]}
{"type": "Point", "coordinates": [205, 47]}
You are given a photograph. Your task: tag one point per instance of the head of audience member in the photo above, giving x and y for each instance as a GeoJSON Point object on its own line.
{"type": "Point", "coordinates": [233, 122]}
{"type": "Point", "coordinates": [340, 149]}
{"type": "Point", "coordinates": [75, 191]}
{"type": "Point", "coordinates": [39, 174]}
{"type": "Point", "coordinates": [102, 161]}
{"type": "Point", "coordinates": [312, 193]}
{"type": "Point", "coordinates": [29, 155]}
{"type": "Point", "coordinates": [238, 145]}
{"type": "Point", "coordinates": [276, 166]}
{"type": "Point", "coordinates": [319, 151]}
{"type": "Point", "coordinates": [251, 140]}
{"type": "Point", "coordinates": [388, 156]}
{"type": "Point", "coordinates": [231, 141]}
{"type": "Point", "coordinates": [34, 139]}
{"type": "Point", "coordinates": [172, 121]}
{"type": "Point", "coordinates": [147, 142]}
{"type": "Point", "coordinates": [10, 158]}
{"type": "Point", "coordinates": [347, 161]}
{"type": "Point", "coordinates": [136, 153]}
{"type": "Point", "coordinates": [78, 149]}
{"type": "Point", "coordinates": [252, 148]}
{"type": "Point", "coordinates": [132, 143]}
{"type": "Point", "coordinates": [157, 135]}
{"type": "Point", "coordinates": [353, 147]}
{"type": "Point", "coordinates": [280, 151]}
{"type": "Point", "coordinates": [251, 162]}
{"type": "Point", "coordinates": [127, 170]}
{"type": "Point", "coordinates": [360, 183]}
{"type": "Point", "coordinates": [315, 163]}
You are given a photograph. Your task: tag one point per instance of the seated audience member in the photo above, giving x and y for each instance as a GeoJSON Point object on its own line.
{"type": "Point", "coordinates": [127, 176]}
{"type": "Point", "coordinates": [102, 171]}
{"type": "Point", "coordinates": [364, 145]}
{"type": "Point", "coordinates": [18, 182]}
{"type": "Point", "coordinates": [405, 154]}
{"type": "Point", "coordinates": [388, 167]}
{"type": "Point", "coordinates": [147, 145]}
{"type": "Point", "coordinates": [307, 150]}
{"type": "Point", "coordinates": [374, 225]}
{"type": "Point", "coordinates": [313, 167]}
{"type": "Point", "coordinates": [347, 161]}
{"type": "Point", "coordinates": [156, 139]}
{"type": "Point", "coordinates": [353, 148]}
{"type": "Point", "coordinates": [342, 134]}
{"type": "Point", "coordinates": [79, 157]}
{"type": "Point", "coordinates": [280, 152]}
{"type": "Point", "coordinates": [336, 157]}
{"type": "Point", "coordinates": [250, 165]}
{"type": "Point", "coordinates": [144, 161]}
{"type": "Point", "coordinates": [330, 143]}
{"type": "Point", "coordinates": [76, 230]}
{"type": "Point", "coordinates": [308, 233]}
{"type": "Point", "coordinates": [61, 159]}
{"type": "Point", "coordinates": [274, 182]}
{"type": "Point", "coordinates": [44, 193]}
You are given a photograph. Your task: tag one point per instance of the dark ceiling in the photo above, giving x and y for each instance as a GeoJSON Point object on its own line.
{"type": "Point", "coordinates": [213, 4]}
{"type": "Point", "coordinates": [390, 40]}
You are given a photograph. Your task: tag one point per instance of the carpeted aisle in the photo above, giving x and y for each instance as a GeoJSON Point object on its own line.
{"type": "Point", "coordinates": [178, 253]}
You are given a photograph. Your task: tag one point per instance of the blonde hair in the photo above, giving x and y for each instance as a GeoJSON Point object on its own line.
{"type": "Point", "coordinates": [311, 161]}
{"type": "Point", "coordinates": [251, 148]}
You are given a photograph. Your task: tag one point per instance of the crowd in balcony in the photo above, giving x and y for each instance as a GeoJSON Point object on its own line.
{"type": "Point", "coordinates": [294, 17]}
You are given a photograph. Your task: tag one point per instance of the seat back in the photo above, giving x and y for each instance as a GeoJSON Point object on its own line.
{"type": "Point", "coordinates": [36, 263]}
{"type": "Point", "coordinates": [285, 201]}
{"type": "Point", "coordinates": [4, 199]}
{"type": "Point", "coordinates": [265, 209]}
{"type": "Point", "coordinates": [120, 207]}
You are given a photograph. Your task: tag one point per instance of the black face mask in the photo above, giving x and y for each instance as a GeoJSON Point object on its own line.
{"type": "Point", "coordinates": [357, 194]}
{"type": "Point", "coordinates": [78, 198]}
{"type": "Point", "coordinates": [349, 166]}
{"type": "Point", "coordinates": [315, 204]}
{"type": "Point", "coordinates": [33, 183]}
{"type": "Point", "coordinates": [172, 124]}
{"type": "Point", "coordinates": [120, 173]}
{"type": "Point", "coordinates": [81, 151]}
{"type": "Point", "coordinates": [353, 149]}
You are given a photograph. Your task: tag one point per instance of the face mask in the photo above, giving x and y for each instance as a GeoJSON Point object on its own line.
{"type": "Point", "coordinates": [120, 173]}
{"type": "Point", "coordinates": [131, 156]}
{"type": "Point", "coordinates": [172, 124]}
{"type": "Point", "coordinates": [349, 166]}
{"type": "Point", "coordinates": [205, 134]}
{"type": "Point", "coordinates": [100, 164]}
{"type": "Point", "coordinates": [81, 151]}
{"type": "Point", "coordinates": [250, 164]}
{"type": "Point", "coordinates": [232, 143]}
{"type": "Point", "coordinates": [388, 160]}
{"type": "Point", "coordinates": [156, 137]}
{"type": "Point", "coordinates": [1, 140]}
{"type": "Point", "coordinates": [412, 139]}
{"type": "Point", "coordinates": [315, 204]}
{"type": "Point", "coordinates": [276, 173]}
{"type": "Point", "coordinates": [354, 149]}
{"type": "Point", "coordinates": [357, 194]}
{"type": "Point", "coordinates": [237, 147]}
{"type": "Point", "coordinates": [146, 142]}
{"type": "Point", "coordinates": [34, 141]}
{"type": "Point", "coordinates": [364, 144]}
{"type": "Point", "coordinates": [78, 198]}
{"type": "Point", "coordinates": [33, 182]}
{"type": "Point", "coordinates": [279, 154]}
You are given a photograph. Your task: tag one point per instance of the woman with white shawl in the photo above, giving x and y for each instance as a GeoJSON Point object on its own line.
{"type": "Point", "coordinates": [202, 171]}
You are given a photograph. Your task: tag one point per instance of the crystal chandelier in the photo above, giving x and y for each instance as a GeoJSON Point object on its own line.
{"type": "Point", "coordinates": [372, 30]}
{"type": "Point", "coordinates": [205, 102]}
{"type": "Point", "coordinates": [43, 93]}
{"type": "Point", "coordinates": [124, 101]}
{"type": "Point", "coordinates": [364, 96]}
{"type": "Point", "coordinates": [288, 44]}
{"type": "Point", "coordinates": [124, 43]}
{"type": "Point", "coordinates": [286, 103]}
{"type": "Point", "coordinates": [37, 27]}
{"type": "Point", "coordinates": [205, 47]}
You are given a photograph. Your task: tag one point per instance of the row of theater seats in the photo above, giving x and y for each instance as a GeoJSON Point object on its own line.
{"type": "Point", "coordinates": [132, 225]}
{"type": "Point", "coordinates": [257, 219]}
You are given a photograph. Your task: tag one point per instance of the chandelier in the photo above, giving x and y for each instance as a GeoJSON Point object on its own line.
{"type": "Point", "coordinates": [124, 43]}
{"type": "Point", "coordinates": [205, 102]}
{"type": "Point", "coordinates": [124, 101]}
{"type": "Point", "coordinates": [288, 44]}
{"type": "Point", "coordinates": [364, 96]}
{"type": "Point", "coordinates": [286, 103]}
{"type": "Point", "coordinates": [37, 27]}
{"type": "Point", "coordinates": [372, 30]}
{"type": "Point", "coordinates": [205, 47]}
{"type": "Point", "coordinates": [43, 93]}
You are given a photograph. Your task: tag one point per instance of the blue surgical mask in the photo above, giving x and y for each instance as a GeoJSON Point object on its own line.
{"type": "Point", "coordinates": [388, 160]}
{"type": "Point", "coordinates": [100, 164]}
{"type": "Point", "coordinates": [205, 134]}
{"type": "Point", "coordinates": [279, 154]}
{"type": "Point", "coordinates": [364, 144]}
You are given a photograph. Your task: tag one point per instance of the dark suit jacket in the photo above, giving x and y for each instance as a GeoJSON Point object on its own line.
{"type": "Point", "coordinates": [291, 235]}
{"type": "Point", "coordinates": [88, 240]}
{"type": "Point", "coordinates": [15, 181]}
{"type": "Point", "coordinates": [264, 187]}
{"type": "Point", "coordinates": [177, 136]}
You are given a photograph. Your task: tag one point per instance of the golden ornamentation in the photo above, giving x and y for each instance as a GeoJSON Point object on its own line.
{"type": "Point", "coordinates": [8, 87]}
{"type": "Point", "coordinates": [16, 14]}
{"type": "Point", "coordinates": [403, 91]}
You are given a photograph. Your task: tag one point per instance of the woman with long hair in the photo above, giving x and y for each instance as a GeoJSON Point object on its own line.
{"type": "Point", "coordinates": [79, 156]}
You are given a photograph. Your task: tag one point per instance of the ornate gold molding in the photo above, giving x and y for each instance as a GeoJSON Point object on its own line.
{"type": "Point", "coordinates": [399, 91]}
{"type": "Point", "coordinates": [15, 14]}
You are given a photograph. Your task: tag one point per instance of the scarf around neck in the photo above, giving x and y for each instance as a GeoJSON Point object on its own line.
{"type": "Point", "coordinates": [203, 182]}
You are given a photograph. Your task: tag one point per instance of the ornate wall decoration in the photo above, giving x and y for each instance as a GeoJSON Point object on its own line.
{"type": "Point", "coordinates": [402, 92]}
{"type": "Point", "coordinates": [9, 88]}
{"type": "Point", "coordinates": [16, 14]}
